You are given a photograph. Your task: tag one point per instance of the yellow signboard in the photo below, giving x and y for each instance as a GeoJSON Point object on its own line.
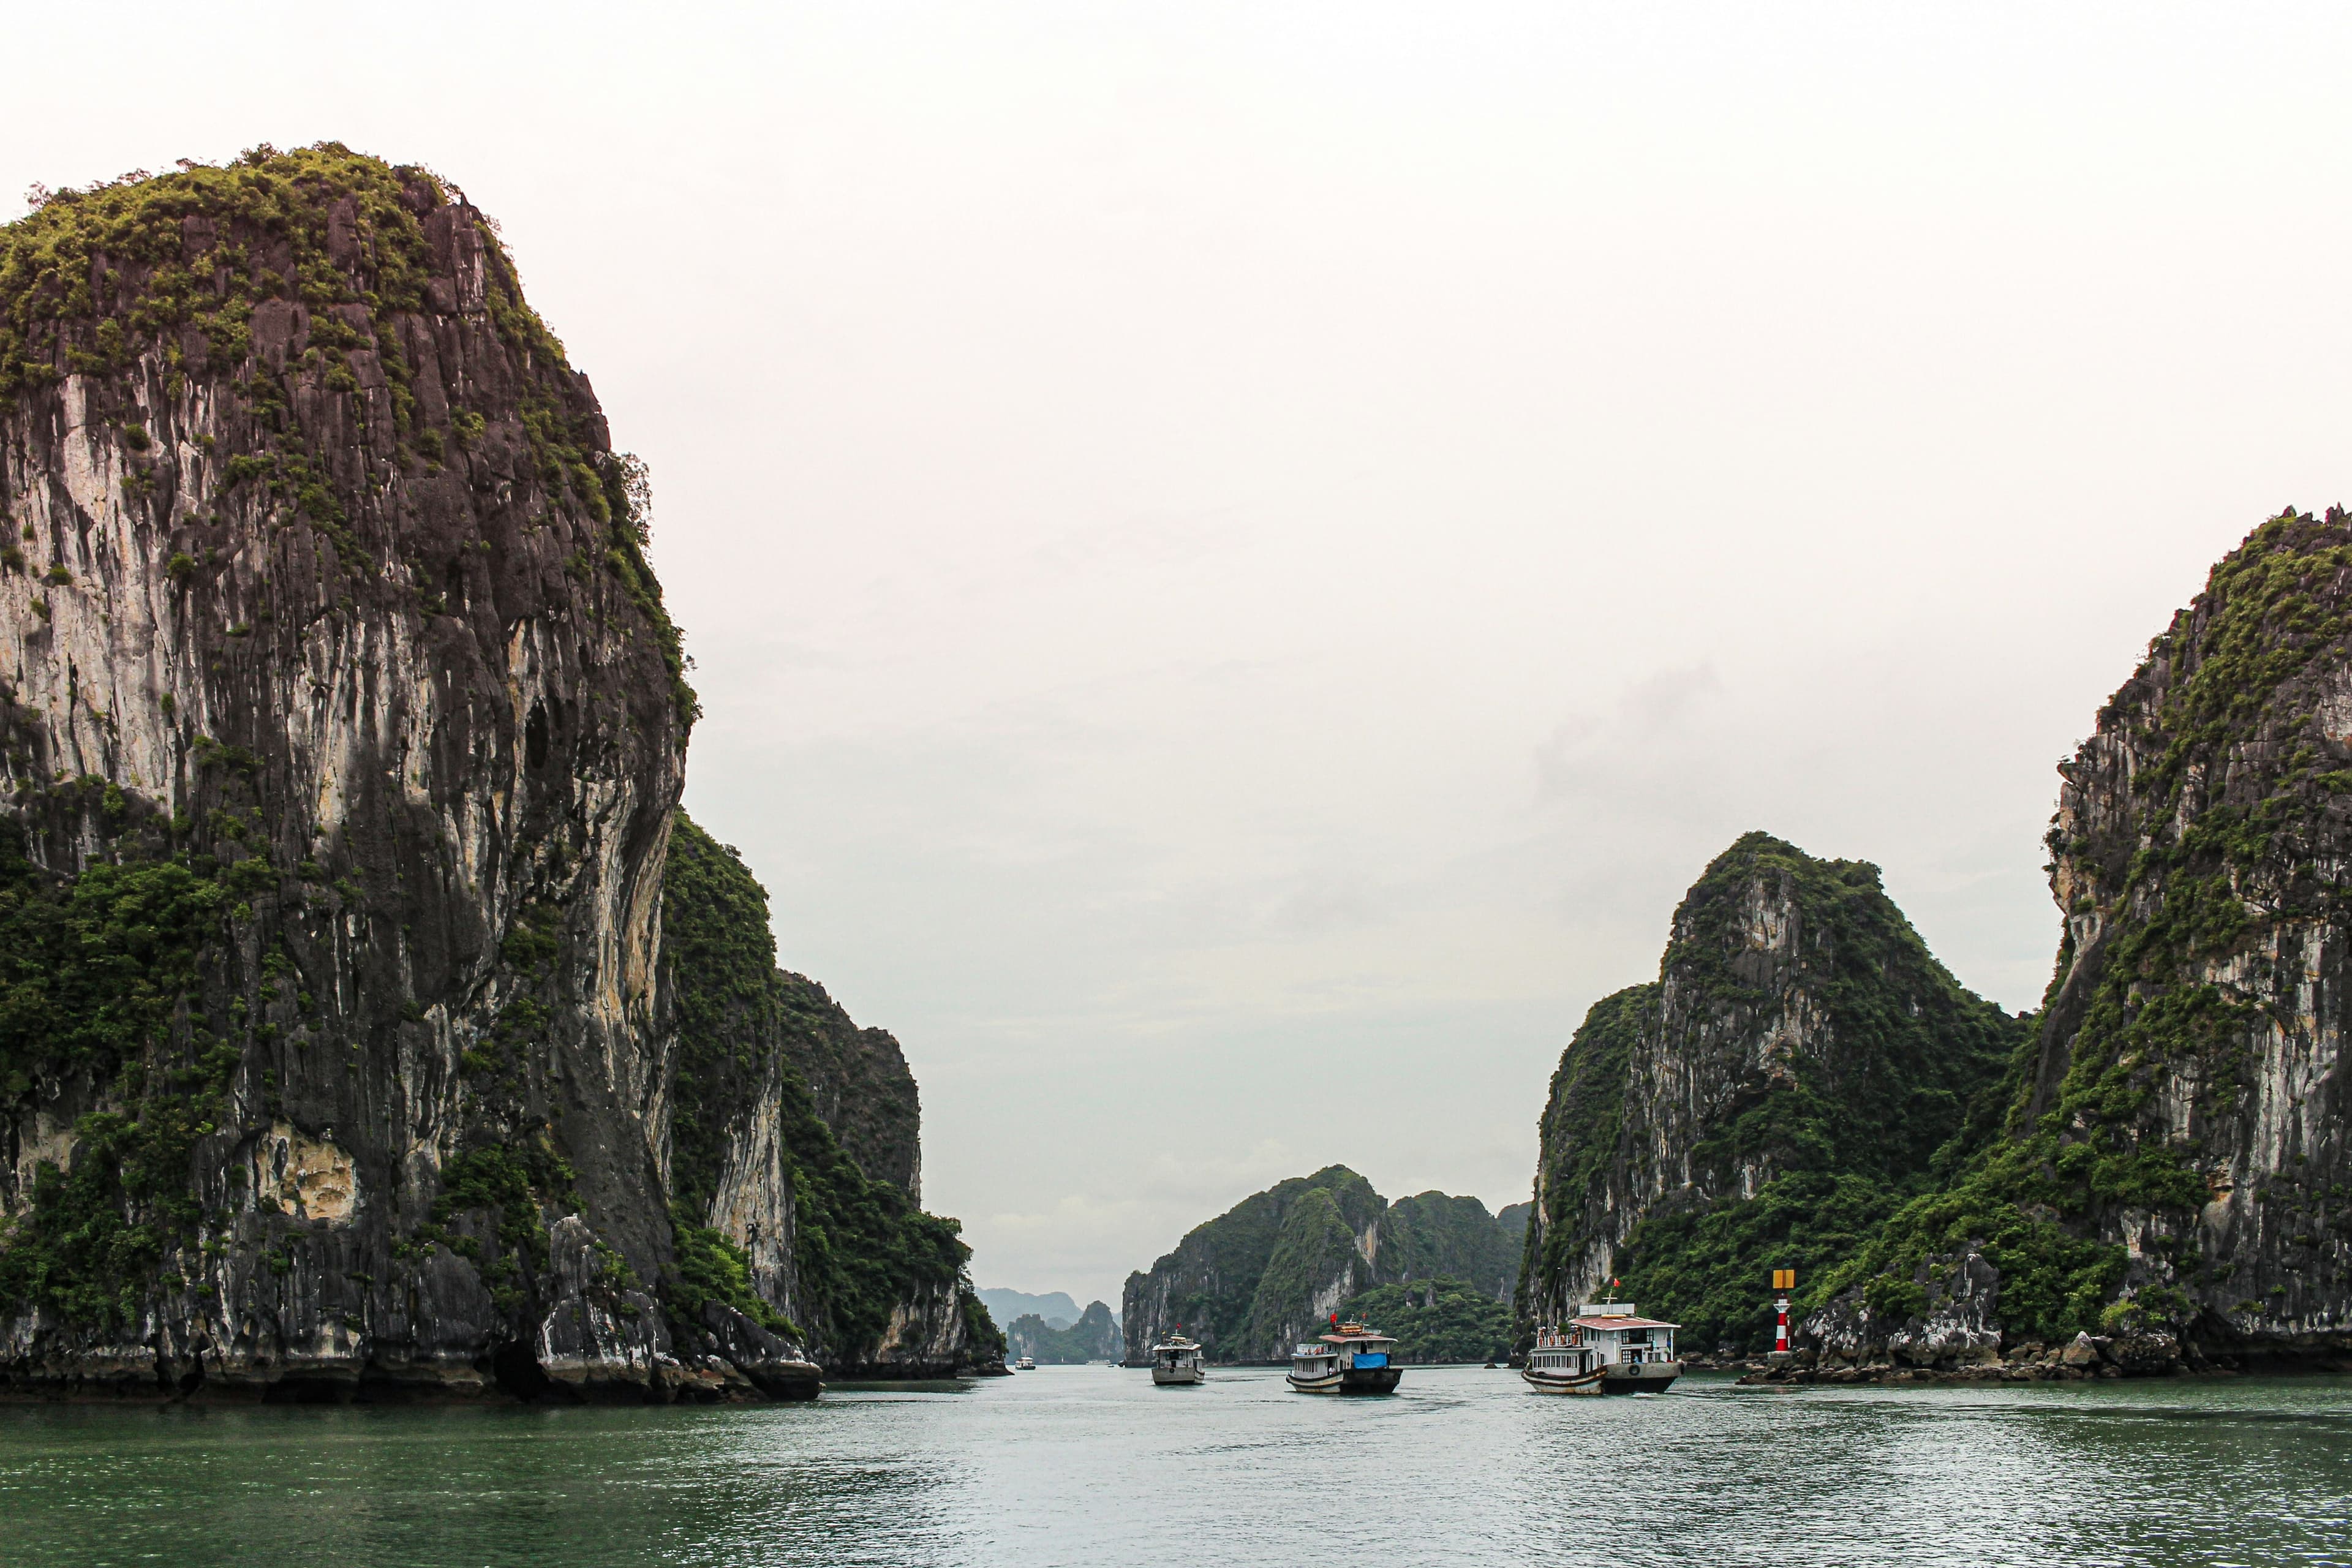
{"type": "Point", "coordinates": [1784, 1279]}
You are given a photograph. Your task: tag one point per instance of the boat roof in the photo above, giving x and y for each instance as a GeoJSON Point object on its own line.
{"type": "Point", "coordinates": [1176, 1342]}
{"type": "Point", "coordinates": [1620, 1320]}
{"type": "Point", "coordinates": [1357, 1337]}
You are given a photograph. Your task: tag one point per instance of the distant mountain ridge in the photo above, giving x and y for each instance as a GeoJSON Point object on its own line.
{"type": "Point", "coordinates": [1094, 1337]}
{"type": "Point", "coordinates": [1248, 1284]}
{"type": "Point", "coordinates": [1055, 1308]}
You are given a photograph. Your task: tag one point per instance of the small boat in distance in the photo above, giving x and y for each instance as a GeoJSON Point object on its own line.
{"type": "Point", "coordinates": [1026, 1363]}
{"type": "Point", "coordinates": [1351, 1359]}
{"type": "Point", "coordinates": [1176, 1362]}
{"type": "Point", "coordinates": [1607, 1348]}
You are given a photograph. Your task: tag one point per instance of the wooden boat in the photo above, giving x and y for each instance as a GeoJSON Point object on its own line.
{"type": "Point", "coordinates": [1607, 1348]}
{"type": "Point", "coordinates": [1176, 1363]}
{"type": "Point", "coordinates": [1351, 1359]}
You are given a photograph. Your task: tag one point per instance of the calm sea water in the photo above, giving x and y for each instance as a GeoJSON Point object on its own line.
{"type": "Point", "coordinates": [1088, 1465]}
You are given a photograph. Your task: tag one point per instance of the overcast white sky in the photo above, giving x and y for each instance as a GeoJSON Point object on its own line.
{"type": "Point", "coordinates": [1242, 556]}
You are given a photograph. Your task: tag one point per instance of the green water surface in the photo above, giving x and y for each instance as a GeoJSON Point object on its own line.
{"type": "Point", "coordinates": [1093, 1465]}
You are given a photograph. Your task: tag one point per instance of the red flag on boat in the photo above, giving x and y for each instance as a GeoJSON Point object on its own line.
{"type": "Point", "coordinates": [1335, 1319]}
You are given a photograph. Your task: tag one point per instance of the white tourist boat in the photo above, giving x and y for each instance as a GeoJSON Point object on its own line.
{"type": "Point", "coordinates": [1607, 1348]}
{"type": "Point", "coordinates": [1176, 1362]}
{"type": "Point", "coordinates": [1026, 1363]}
{"type": "Point", "coordinates": [1351, 1359]}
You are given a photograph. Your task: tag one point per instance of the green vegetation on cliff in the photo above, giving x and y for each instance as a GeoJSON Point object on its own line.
{"type": "Point", "coordinates": [1911, 1066]}
{"type": "Point", "coordinates": [1436, 1321]}
{"type": "Point", "coordinates": [1247, 1283]}
{"type": "Point", "coordinates": [1577, 1141]}
{"type": "Point", "coordinates": [173, 267]}
{"type": "Point", "coordinates": [2206, 812]}
{"type": "Point", "coordinates": [861, 1247]}
{"type": "Point", "coordinates": [99, 978]}
{"type": "Point", "coordinates": [1094, 1337]}
{"type": "Point", "coordinates": [1835, 1071]}
{"type": "Point", "coordinates": [1316, 1248]}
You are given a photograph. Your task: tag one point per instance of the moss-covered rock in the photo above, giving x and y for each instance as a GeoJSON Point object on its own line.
{"type": "Point", "coordinates": [1250, 1283]}
{"type": "Point", "coordinates": [773, 1206]}
{"type": "Point", "coordinates": [1801, 1066]}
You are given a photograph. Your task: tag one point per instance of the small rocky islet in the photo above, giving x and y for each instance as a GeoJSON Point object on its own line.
{"type": "Point", "coordinates": [374, 1024]}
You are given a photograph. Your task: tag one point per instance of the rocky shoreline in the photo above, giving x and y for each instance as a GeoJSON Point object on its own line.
{"type": "Point", "coordinates": [2085, 1358]}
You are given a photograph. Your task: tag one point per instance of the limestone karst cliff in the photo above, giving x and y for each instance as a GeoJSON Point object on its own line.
{"type": "Point", "coordinates": [1249, 1283]}
{"type": "Point", "coordinates": [2160, 1180]}
{"type": "Point", "coordinates": [810, 1196]}
{"type": "Point", "coordinates": [2173, 1184]}
{"type": "Point", "coordinates": [1790, 1078]}
{"type": "Point", "coordinates": [341, 726]}
{"type": "Point", "coordinates": [2192, 1079]}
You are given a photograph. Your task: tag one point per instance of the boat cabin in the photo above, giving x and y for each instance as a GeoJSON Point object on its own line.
{"type": "Point", "coordinates": [1615, 1335]}
{"type": "Point", "coordinates": [1176, 1355]}
{"type": "Point", "coordinates": [1351, 1359]}
{"type": "Point", "coordinates": [1356, 1342]}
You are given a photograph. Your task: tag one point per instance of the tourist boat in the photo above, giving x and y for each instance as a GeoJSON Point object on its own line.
{"type": "Point", "coordinates": [1175, 1362]}
{"type": "Point", "coordinates": [1026, 1363]}
{"type": "Point", "coordinates": [1607, 1348]}
{"type": "Point", "coordinates": [1351, 1359]}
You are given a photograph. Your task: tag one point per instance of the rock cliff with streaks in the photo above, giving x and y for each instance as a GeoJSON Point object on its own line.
{"type": "Point", "coordinates": [1800, 1068]}
{"type": "Point", "coordinates": [341, 728]}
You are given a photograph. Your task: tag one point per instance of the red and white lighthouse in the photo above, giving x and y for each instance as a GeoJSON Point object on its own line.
{"type": "Point", "coordinates": [1783, 1281]}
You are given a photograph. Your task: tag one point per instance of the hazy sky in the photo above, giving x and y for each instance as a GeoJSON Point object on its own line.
{"type": "Point", "coordinates": [1242, 556]}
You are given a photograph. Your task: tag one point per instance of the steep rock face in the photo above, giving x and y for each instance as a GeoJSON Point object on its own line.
{"type": "Point", "coordinates": [839, 1252]}
{"type": "Point", "coordinates": [2170, 1187]}
{"type": "Point", "coordinates": [329, 659]}
{"type": "Point", "coordinates": [1789, 1079]}
{"type": "Point", "coordinates": [859, 1083]}
{"type": "Point", "coordinates": [2192, 1096]}
{"type": "Point", "coordinates": [340, 731]}
{"type": "Point", "coordinates": [1250, 1283]}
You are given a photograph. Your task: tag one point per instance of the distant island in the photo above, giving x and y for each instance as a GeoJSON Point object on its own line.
{"type": "Point", "coordinates": [1435, 1270]}
{"type": "Point", "coordinates": [1094, 1337]}
{"type": "Point", "coordinates": [1055, 1308]}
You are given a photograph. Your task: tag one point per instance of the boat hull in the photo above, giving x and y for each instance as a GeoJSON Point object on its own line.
{"type": "Point", "coordinates": [1559, 1382]}
{"type": "Point", "coordinates": [1355, 1380]}
{"type": "Point", "coordinates": [1649, 1377]}
{"type": "Point", "coordinates": [1175, 1376]}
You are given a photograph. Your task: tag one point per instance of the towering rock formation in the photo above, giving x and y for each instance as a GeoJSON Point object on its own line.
{"type": "Point", "coordinates": [2190, 1106]}
{"type": "Point", "coordinates": [2169, 1186]}
{"type": "Point", "coordinates": [1250, 1283]}
{"type": "Point", "coordinates": [1789, 1079]}
{"type": "Point", "coordinates": [810, 1197]}
{"type": "Point", "coordinates": [2163, 1179]}
{"type": "Point", "coordinates": [341, 730]}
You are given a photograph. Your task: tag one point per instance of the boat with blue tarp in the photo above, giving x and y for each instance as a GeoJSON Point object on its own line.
{"type": "Point", "coordinates": [1351, 1359]}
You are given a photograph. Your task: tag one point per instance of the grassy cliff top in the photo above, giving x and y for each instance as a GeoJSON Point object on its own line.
{"type": "Point", "coordinates": [92, 273]}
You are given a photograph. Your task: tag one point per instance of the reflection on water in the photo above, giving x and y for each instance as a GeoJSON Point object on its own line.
{"type": "Point", "coordinates": [1086, 1465]}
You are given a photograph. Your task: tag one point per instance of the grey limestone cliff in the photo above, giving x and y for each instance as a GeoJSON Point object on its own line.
{"type": "Point", "coordinates": [1789, 1079]}
{"type": "Point", "coordinates": [341, 727]}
